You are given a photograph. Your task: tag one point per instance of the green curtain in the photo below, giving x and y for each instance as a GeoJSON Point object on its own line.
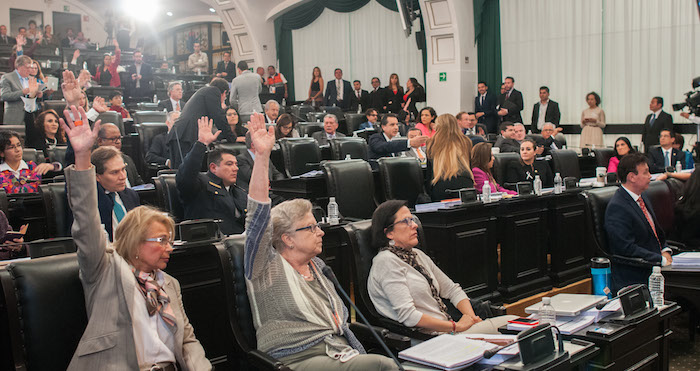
{"type": "Point", "coordinates": [303, 16]}
{"type": "Point", "coordinates": [487, 36]}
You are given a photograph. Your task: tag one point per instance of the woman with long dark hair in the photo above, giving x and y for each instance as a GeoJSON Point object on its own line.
{"type": "Point", "coordinates": [426, 121]}
{"type": "Point", "coordinates": [316, 88]}
{"type": "Point", "coordinates": [622, 147]}
{"type": "Point", "coordinates": [414, 93]}
{"type": "Point", "coordinates": [49, 132]}
{"type": "Point", "coordinates": [482, 162]}
{"type": "Point", "coordinates": [107, 74]}
{"type": "Point", "coordinates": [393, 95]}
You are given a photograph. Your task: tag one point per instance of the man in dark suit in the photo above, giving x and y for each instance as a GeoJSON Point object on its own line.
{"type": "Point", "coordinates": [225, 68]}
{"type": "Point", "coordinates": [511, 102]}
{"type": "Point", "coordinates": [110, 136]}
{"type": "Point", "coordinates": [485, 108]}
{"type": "Point", "coordinates": [359, 96]}
{"type": "Point", "coordinates": [548, 142]}
{"type": "Point", "coordinates": [665, 155]}
{"type": "Point", "coordinates": [141, 77]}
{"type": "Point", "coordinates": [545, 110]}
{"type": "Point", "coordinates": [206, 102]}
{"type": "Point", "coordinates": [158, 152]}
{"type": "Point", "coordinates": [67, 41]}
{"type": "Point", "coordinates": [631, 224]}
{"type": "Point", "coordinates": [656, 121]}
{"type": "Point", "coordinates": [6, 39]}
{"type": "Point", "coordinates": [383, 145]}
{"type": "Point", "coordinates": [338, 91]}
{"type": "Point", "coordinates": [114, 198]}
{"type": "Point", "coordinates": [375, 99]}
{"type": "Point", "coordinates": [215, 194]}
{"type": "Point", "coordinates": [174, 101]}
{"type": "Point", "coordinates": [245, 165]}
{"type": "Point", "coordinates": [330, 130]}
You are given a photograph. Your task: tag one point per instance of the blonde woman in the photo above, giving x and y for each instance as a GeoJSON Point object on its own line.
{"type": "Point", "coordinates": [448, 160]}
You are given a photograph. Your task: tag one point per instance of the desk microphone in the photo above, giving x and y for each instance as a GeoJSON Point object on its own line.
{"type": "Point", "coordinates": [526, 334]}
{"type": "Point", "coordinates": [328, 272]}
{"type": "Point", "coordinates": [620, 293]}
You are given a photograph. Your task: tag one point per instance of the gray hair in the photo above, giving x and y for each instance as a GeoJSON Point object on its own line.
{"type": "Point", "coordinates": [171, 86]}
{"type": "Point", "coordinates": [283, 217]}
{"type": "Point", "coordinates": [22, 60]}
{"type": "Point", "coordinates": [169, 115]}
{"type": "Point", "coordinates": [548, 124]}
{"type": "Point", "coordinates": [269, 104]}
{"type": "Point", "coordinates": [518, 124]}
{"type": "Point", "coordinates": [330, 115]}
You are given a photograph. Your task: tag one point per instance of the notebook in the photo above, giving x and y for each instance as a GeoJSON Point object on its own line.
{"type": "Point", "coordinates": [569, 304]}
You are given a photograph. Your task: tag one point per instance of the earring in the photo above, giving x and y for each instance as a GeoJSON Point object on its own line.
{"type": "Point", "coordinates": [392, 243]}
{"type": "Point", "coordinates": [137, 257]}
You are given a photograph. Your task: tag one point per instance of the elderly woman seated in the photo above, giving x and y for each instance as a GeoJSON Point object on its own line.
{"type": "Point", "coordinates": [298, 316]}
{"type": "Point", "coordinates": [136, 317]}
{"type": "Point", "coordinates": [406, 286]}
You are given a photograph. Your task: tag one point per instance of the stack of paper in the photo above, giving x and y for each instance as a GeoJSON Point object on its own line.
{"type": "Point", "coordinates": [447, 352]}
{"type": "Point", "coordinates": [433, 206]}
{"type": "Point", "coordinates": [687, 259]}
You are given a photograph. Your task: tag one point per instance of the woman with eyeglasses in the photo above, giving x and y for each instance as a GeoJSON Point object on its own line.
{"type": "Point", "coordinates": [234, 122]}
{"type": "Point", "coordinates": [136, 317]}
{"type": "Point", "coordinates": [17, 175]}
{"type": "Point", "coordinates": [406, 286]}
{"type": "Point", "coordinates": [298, 316]}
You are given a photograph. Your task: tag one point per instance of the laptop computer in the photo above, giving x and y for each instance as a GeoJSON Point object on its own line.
{"type": "Point", "coordinates": [569, 304]}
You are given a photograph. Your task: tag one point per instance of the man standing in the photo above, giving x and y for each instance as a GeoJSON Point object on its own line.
{"type": "Point", "coordinates": [198, 62]}
{"type": "Point", "coordinates": [656, 121]}
{"type": "Point", "coordinates": [330, 127]}
{"type": "Point", "coordinates": [276, 84]}
{"type": "Point", "coordinates": [174, 101]}
{"type": "Point", "coordinates": [245, 165]}
{"type": "Point", "coordinates": [245, 90]}
{"type": "Point", "coordinates": [110, 136]}
{"type": "Point", "coordinates": [545, 110]}
{"type": "Point", "coordinates": [485, 108]}
{"type": "Point", "coordinates": [376, 96]}
{"type": "Point", "coordinates": [67, 41]}
{"type": "Point", "coordinates": [359, 96]}
{"type": "Point", "coordinates": [141, 77]}
{"type": "Point", "coordinates": [664, 156]}
{"type": "Point", "coordinates": [631, 224]}
{"type": "Point", "coordinates": [338, 91]}
{"type": "Point", "coordinates": [19, 91]}
{"type": "Point", "coordinates": [467, 122]}
{"type": "Point", "coordinates": [225, 68]}
{"type": "Point", "coordinates": [206, 102]}
{"type": "Point", "coordinates": [6, 39]}
{"type": "Point", "coordinates": [272, 111]}
{"type": "Point", "coordinates": [511, 102]}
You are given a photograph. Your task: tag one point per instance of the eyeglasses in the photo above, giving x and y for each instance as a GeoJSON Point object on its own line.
{"type": "Point", "coordinates": [13, 146]}
{"type": "Point", "coordinates": [162, 240]}
{"type": "Point", "coordinates": [372, 114]}
{"type": "Point", "coordinates": [313, 228]}
{"type": "Point", "coordinates": [408, 221]}
{"type": "Point", "coordinates": [114, 139]}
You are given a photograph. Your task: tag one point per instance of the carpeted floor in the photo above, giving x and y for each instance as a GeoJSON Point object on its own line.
{"type": "Point", "coordinates": [685, 356]}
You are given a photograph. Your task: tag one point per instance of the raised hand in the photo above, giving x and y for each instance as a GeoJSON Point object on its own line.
{"type": "Point", "coordinates": [33, 87]}
{"type": "Point", "coordinates": [83, 78]}
{"type": "Point", "coordinates": [21, 40]}
{"type": "Point", "coordinates": [263, 139]}
{"type": "Point", "coordinates": [76, 55]}
{"type": "Point", "coordinates": [81, 137]}
{"type": "Point", "coordinates": [205, 136]}
{"type": "Point", "coordinates": [99, 104]}
{"type": "Point", "coordinates": [71, 88]}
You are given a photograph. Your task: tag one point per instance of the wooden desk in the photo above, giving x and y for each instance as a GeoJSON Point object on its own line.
{"type": "Point", "coordinates": [683, 285]}
{"type": "Point", "coordinates": [567, 244]}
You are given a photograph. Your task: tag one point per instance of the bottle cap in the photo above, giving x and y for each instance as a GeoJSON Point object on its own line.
{"type": "Point", "coordinates": [331, 199]}
{"type": "Point", "coordinates": [546, 300]}
{"type": "Point", "coordinates": [656, 269]}
{"type": "Point", "coordinates": [486, 182]}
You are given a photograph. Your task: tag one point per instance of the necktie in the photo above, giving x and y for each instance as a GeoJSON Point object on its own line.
{"type": "Point", "coordinates": [508, 95]}
{"type": "Point", "coordinates": [667, 158]}
{"type": "Point", "coordinates": [357, 92]}
{"type": "Point", "coordinates": [177, 106]}
{"type": "Point", "coordinates": [482, 100]}
{"type": "Point", "coordinates": [643, 206]}
{"type": "Point", "coordinates": [419, 153]}
{"type": "Point", "coordinates": [156, 298]}
{"type": "Point", "coordinates": [339, 93]}
{"type": "Point", "coordinates": [652, 119]}
{"type": "Point", "coordinates": [119, 212]}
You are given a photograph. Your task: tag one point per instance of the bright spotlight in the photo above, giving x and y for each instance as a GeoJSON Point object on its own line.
{"type": "Point", "coordinates": [169, 14]}
{"type": "Point", "coordinates": [212, 10]}
{"type": "Point", "coordinates": [141, 10]}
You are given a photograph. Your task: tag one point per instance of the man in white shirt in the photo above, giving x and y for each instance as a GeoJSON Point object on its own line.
{"type": "Point", "coordinates": [546, 110]}
{"type": "Point", "coordinates": [198, 62]}
{"type": "Point", "coordinates": [664, 156]}
{"type": "Point", "coordinates": [416, 151]}
{"type": "Point", "coordinates": [467, 122]}
{"type": "Point", "coordinates": [19, 92]}
{"type": "Point", "coordinates": [338, 91]}
{"type": "Point", "coordinates": [272, 111]}
{"type": "Point", "coordinates": [330, 130]}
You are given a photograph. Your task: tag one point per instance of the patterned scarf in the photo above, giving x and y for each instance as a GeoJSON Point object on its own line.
{"type": "Point", "coordinates": [156, 298]}
{"type": "Point", "coordinates": [410, 257]}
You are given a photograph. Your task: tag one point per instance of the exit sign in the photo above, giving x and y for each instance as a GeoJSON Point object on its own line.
{"type": "Point", "coordinates": [443, 76]}
{"type": "Point", "coordinates": [66, 8]}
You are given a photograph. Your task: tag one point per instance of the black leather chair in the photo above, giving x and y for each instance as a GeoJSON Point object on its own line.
{"type": "Point", "coordinates": [500, 164]}
{"type": "Point", "coordinates": [45, 311]}
{"type": "Point", "coordinates": [237, 148]}
{"type": "Point", "coordinates": [31, 154]}
{"type": "Point", "coordinates": [307, 129]}
{"type": "Point", "coordinates": [301, 111]}
{"type": "Point", "coordinates": [352, 184]}
{"type": "Point", "coordinates": [51, 246]}
{"type": "Point", "coordinates": [536, 137]}
{"type": "Point", "coordinates": [561, 138]}
{"type": "Point", "coordinates": [402, 179]}
{"type": "Point", "coordinates": [241, 318]}
{"type": "Point", "coordinates": [56, 105]}
{"type": "Point", "coordinates": [57, 154]}
{"type": "Point", "coordinates": [112, 117]}
{"type": "Point", "coordinates": [663, 202]}
{"type": "Point", "coordinates": [149, 116]}
{"type": "Point", "coordinates": [565, 162]}
{"type": "Point", "coordinates": [146, 132]}
{"type": "Point", "coordinates": [603, 156]}
{"type": "Point", "coordinates": [4, 202]}
{"type": "Point", "coordinates": [56, 205]}
{"type": "Point", "coordinates": [334, 110]}
{"type": "Point", "coordinates": [19, 129]}
{"type": "Point", "coordinates": [147, 106]}
{"type": "Point", "coordinates": [315, 116]}
{"type": "Point", "coordinates": [353, 121]}
{"type": "Point", "coordinates": [300, 155]}
{"type": "Point", "coordinates": [169, 196]}
{"type": "Point", "coordinates": [355, 147]}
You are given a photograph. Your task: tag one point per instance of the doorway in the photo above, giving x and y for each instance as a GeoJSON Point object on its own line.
{"type": "Point", "coordinates": [63, 21]}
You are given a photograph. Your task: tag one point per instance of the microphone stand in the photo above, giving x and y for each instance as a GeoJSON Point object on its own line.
{"type": "Point", "coordinates": [328, 272]}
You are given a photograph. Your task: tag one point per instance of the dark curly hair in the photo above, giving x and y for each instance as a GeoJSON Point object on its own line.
{"type": "Point", "coordinates": [383, 217]}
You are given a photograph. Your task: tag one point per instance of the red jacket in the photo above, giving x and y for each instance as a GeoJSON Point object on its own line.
{"type": "Point", "coordinates": [115, 81]}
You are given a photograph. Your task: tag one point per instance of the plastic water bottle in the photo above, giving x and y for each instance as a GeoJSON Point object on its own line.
{"type": "Point", "coordinates": [558, 184]}
{"type": "Point", "coordinates": [547, 314]}
{"type": "Point", "coordinates": [333, 211]}
{"type": "Point", "coordinates": [347, 156]}
{"type": "Point", "coordinates": [656, 286]}
{"type": "Point", "coordinates": [486, 192]}
{"type": "Point", "coordinates": [679, 167]}
{"type": "Point", "coordinates": [173, 70]}
{"type": "Point", "coordinates": [537, 185]}
{"type": "Point", "coordinates": [85, 65]}
{"type": "Point", "coordinates": [155, 98]}
{"type": "Point", "coordinates": [359, 108]}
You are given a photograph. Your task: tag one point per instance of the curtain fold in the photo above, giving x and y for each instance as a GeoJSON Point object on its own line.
{"type": "Point", "coordinates": [487, 36]}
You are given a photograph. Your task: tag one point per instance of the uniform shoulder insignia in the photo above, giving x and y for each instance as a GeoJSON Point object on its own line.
{"type": "Point", "coordinates": [215, 185]}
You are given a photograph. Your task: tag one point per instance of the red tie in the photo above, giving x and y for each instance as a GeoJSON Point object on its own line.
{"type": "Point", "coordinates": [177, 108]}
{"type": "Point", "coordinates": [640, 201]}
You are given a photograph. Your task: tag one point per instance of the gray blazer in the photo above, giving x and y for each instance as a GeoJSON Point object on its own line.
{"type": "Point", "coordinates": [245, 90]}
{"type": "Point", "coordinates": [109, 284]}
{"type": "Point", "coordinates": [11, 93]}
{"type": "Point", "coordinates": [322, 138]}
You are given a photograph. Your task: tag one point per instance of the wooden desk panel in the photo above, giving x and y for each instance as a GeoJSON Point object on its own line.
{"type": "Point", "coordinates": [569, 253]}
